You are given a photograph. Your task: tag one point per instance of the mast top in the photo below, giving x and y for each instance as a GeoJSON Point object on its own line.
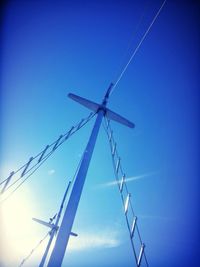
{"type": "Point", "coordinates": [107, 94]}
{"type": "Point", "coordinates": [97, 107]}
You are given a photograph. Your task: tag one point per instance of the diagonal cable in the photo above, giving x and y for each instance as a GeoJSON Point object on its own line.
{"type": "Point", "coordinates": [42, 157]}
{"type": "Point", "coordinates": [138, 46]}
{"type": "Point", "coordinates": [125, 196]}
{"type": "Point", "coordinates": [33, 250]}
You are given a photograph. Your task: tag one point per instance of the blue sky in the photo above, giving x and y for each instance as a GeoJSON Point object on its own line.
{"type": "Point", "coordinates": [51, 48]}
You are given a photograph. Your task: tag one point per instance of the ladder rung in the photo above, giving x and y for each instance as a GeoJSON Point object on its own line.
{"type": "Point", "coordinates": [107, 123]}
{"type": "Point", "coordinates": [117, 165]}
{"type": "Point", "coordinates": [133, 226]}
{"type": "Point", "coordinates": [110, 136]}
{"type": "Point", "coordinates": [90, 116]}
{"type": "Point", "coordinates": [43, 152]}
{"type": "Point", "coordinates": [26, 167]}
{"type": "Point", "coordinates": [114, 149]}
{"type": "Point", "coordinates": [80, 124]}
{"type": "Point", "coordinates": [69, 133]}
{"type": "Point", "coordinates": [127, 203]}
{"type": "Point", "coordinates": [141, 254]}
{"type": "Point", "coordinates": [7, 182]}
{"type": "Point", "coordinates": [122, 183]}
{"type": "Point", "coordinates": [57, 142]}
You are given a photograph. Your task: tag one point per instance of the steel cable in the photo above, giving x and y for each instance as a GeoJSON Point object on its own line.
{"type": "Point", "coordinates": [137, 47]}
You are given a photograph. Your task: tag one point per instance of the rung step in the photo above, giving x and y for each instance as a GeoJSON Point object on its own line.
{"type": "Point", "coordinates": [127, 203]}
{"type": "Point", "coordinates": [140, 255]}
{"type": "Point", "coordinates": [133, 226]}
{"type": "Point", "coordinates": [122, 183]}
{"type": "Point", "coordinates": [117, 165]}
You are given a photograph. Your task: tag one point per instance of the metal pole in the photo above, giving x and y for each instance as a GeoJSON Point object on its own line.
{"type": "Point", "coordinates": [70, 212]}
{"type": "Point", "coordinates": [53, 231]}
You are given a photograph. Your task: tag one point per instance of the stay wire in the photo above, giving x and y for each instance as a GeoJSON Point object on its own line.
{"type": "Point", "coordinates": [107, 129]}
{"type": "Point", "coordinates": [117, 180]}
{"type": "Point", "coordinates": [137, 47]}
{"type": "Point", "coordinates": [47, 156]}
{"type": "Point", "coordinates": [133, 38]}
{"type": "Point", "coordinates": [86, 120]}
{"type": "Point", "coordinates": [33, 250]}
{"type": "Point", "coordinates": [39, 243]}
{"type": "Point", "coordinates": [70, 185]}
{"type": "Point", "coordinates": [12, 192]}
{"type": "Point", "coordinates": [74, 176]}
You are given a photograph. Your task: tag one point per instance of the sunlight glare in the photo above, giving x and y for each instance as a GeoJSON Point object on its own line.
{"type": "Point", "coordinates": [17, 228]}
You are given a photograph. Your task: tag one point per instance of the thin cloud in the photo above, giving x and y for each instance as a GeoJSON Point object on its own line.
{"type": "Point", "coordinates": [129, 179]}
{"type": "Point", "coordinates": [51, 172]}
{"type": "Point", "coordinates": [155, 217]}
{"type": "Point", "coordinates": [88, 241]}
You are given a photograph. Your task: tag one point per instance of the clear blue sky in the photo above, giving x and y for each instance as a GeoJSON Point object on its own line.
{"type": "Point", "coordinates": [51, 48]}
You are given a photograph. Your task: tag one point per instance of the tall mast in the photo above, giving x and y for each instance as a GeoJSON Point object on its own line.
{"type": "Point", "coordinates": [62, 240]}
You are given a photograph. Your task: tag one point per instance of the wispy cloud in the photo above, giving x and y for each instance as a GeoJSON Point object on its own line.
{"type": "Point", "coordinates": [129, 179]}
{"type": "Point", "coordinates": [88, 241]}
{"type": "Point", "coordinates": [51, 172]}
{"type": "Point", "coordinates": [155, 217]}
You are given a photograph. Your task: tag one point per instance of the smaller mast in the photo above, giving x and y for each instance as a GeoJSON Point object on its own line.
{"type": "Point", "coordinates": [54, 227]}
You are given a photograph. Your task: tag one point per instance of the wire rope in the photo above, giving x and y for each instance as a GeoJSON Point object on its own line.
{"type": "Point", "coordinates": [111, 143]}
{"type": "Point", "coordinates": [70, 185]}
{"type": "Point", "coordinates": [70, 132]}
{"type": "Point", "coordinates": [133, 37]}
{"type": "Point", "coordinates": [33, 250]}
{"type": "Point", "coordinates": [41, 163]}
{"type": "Point", "coordinates": [137, 47]}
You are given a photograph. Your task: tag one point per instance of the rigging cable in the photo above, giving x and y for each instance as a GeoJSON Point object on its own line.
{"type": "Point", "coordinates": [39, 163]}
{"type": "Point", "coordinates": [14, 190]}
{"type": "Point", "coordinates": [65, 136]}
{"type": "Point", "coordinates": [33, 250]}
{"type": "Point", "coordinates": [132, 39]}
{"type": "Point", "coordinates": [52, 233]}
{"type": "Point", "coordinates": [138, 46]}
{"type": "Point", "coordinates": [114, 86]}
{"type": "Point", "coordinates": [54, 230]}
{"type": "Point", "coordinates": [122, 186]}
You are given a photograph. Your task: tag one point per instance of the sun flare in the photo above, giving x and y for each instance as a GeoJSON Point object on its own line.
{"type": "Point", "coordinates": [18, 236]}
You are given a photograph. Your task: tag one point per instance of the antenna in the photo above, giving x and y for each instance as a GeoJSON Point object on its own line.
{"type": "Point", "coordinates": [62, 240]}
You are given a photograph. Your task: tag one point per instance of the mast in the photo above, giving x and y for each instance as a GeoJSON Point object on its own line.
{"type": "Point", "coordinates": [55, 228]}
{"type": "Point", "coordinates": [62, 240]}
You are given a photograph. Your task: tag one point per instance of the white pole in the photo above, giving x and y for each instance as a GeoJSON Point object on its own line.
{"type": "Point", "coordinates": [62, 240]}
